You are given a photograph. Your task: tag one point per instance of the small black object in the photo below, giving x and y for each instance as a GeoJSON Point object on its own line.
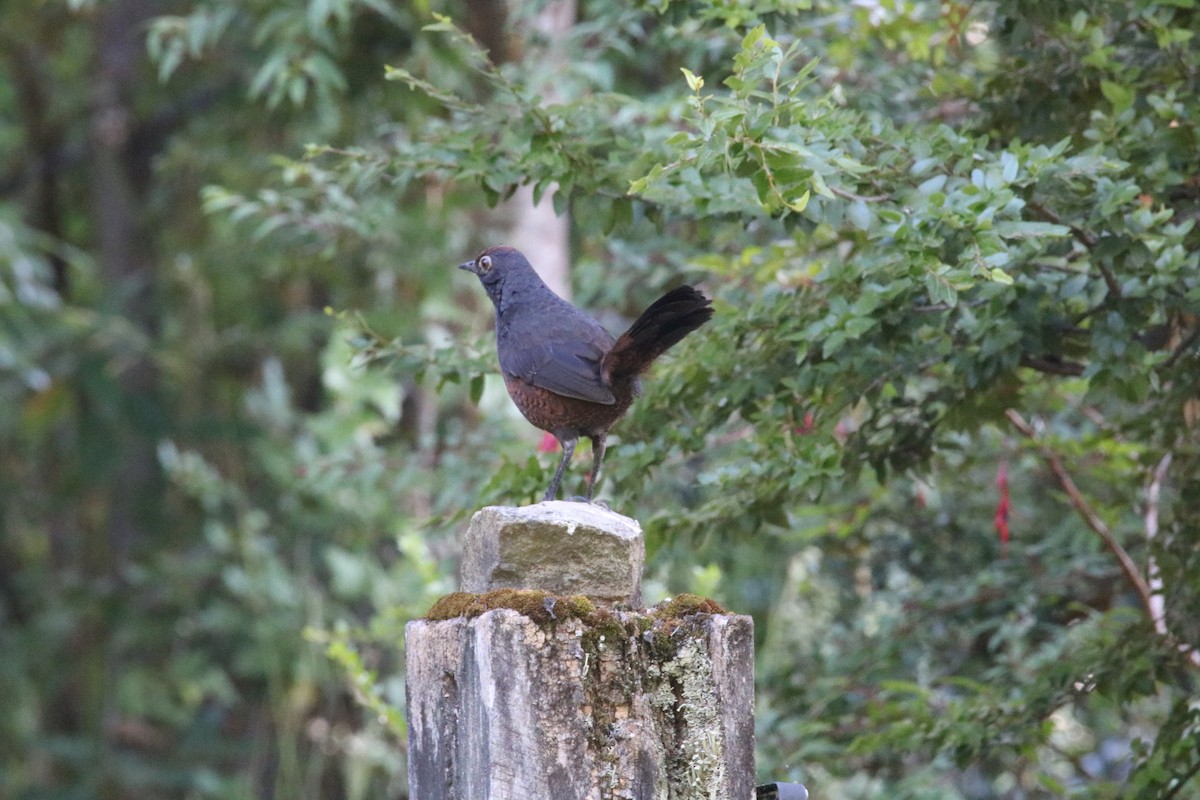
{"type": "Point", "coordinates": [781, 791]}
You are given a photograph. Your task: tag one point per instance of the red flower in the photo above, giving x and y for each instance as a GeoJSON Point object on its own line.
{"type": "Point", "coordinates": [806, 427]}
{"type": "Point", "coordinates": [1003, 506]}
{"type": "Point", "coordinates": [548, 444]}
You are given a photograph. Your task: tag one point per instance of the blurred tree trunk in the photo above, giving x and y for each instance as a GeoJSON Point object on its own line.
{"type": "Point", "coordinates": [127, 492]}
{"type": "Point", "coordinates": [40, 176]}
{"type": "Point", "coordinates": [535, 229]}
{"type": "Point", "coordinates": [543, 236]}
{"type": "Point", "coordinates": [120, 170]}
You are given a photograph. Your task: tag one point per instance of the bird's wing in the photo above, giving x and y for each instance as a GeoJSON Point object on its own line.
{"type": "Point", "coordinates": [567, 367]}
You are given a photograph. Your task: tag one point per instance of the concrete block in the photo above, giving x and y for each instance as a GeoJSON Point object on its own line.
{"type": "Point", "coordinates": [562, 547]}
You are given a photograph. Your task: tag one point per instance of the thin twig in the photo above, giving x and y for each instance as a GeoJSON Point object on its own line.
{"type": "Point", "coordinates": [1183, 347]}
{"type": "Point", "coordinates": [1158, 611]}
{"type": "Point", "coordinates": [1181, 781]}
{"type": "Point", "coordinates": [1052, 365]}
{"type": "Point", "coordinates": [872, 198]}
{"type": "Point", "coordinates": [1098, 526]}
{"type": "Point", "coordinates": [1086, 238]}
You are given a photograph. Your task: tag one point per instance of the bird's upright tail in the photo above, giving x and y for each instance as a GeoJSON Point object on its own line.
{"type": "Point", "coordinates": [668, 319]}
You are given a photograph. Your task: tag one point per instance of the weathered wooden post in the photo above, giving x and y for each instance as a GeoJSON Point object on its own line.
{"type": "Point", "coordinates": [546, 680]}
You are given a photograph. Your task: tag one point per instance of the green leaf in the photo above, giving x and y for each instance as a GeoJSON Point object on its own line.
{"type": "Point", "coordinates": [860, 215]}
{"type": "Point", "coordinates": [1120, 96]}
{"type": "Point", "coordinates": [1023, 229]}
{"type": "Point", "coordinates": [441, 24]}
{"type": "Point", "coordinates": [1009, 165]}
{"type": "Point", "coordinates": [798, 204]}
{"type": "Point", "coordinates": [931, 185]}
{"type": "Point", "coordinates": [940, 290]}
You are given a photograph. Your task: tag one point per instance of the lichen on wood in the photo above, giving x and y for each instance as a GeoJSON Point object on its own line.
{"type": "Point", "coordinates": [559, 694]}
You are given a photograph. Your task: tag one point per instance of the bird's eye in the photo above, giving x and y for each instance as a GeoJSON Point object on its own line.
{"type": "Point", "coordinates": [485, 263]}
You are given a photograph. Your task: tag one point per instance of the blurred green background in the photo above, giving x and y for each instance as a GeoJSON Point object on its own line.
{"type": "Point", "coordinates": [939, 439]}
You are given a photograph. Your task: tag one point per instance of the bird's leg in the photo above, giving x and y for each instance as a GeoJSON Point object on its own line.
{"type": "Point", "coordinates": [597, 457]}
{"type": "Point", "coordinates": [568, 446]}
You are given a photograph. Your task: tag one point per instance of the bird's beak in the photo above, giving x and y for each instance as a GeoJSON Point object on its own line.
{"type": "Point", "coordinates": [469, 266]}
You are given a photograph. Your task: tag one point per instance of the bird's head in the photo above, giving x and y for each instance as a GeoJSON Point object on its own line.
{"type": "Point", "coordinates": [500, 268]}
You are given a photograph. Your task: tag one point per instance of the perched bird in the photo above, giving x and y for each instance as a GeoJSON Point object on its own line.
{"type": "Point", "coordinates": [563, 370]}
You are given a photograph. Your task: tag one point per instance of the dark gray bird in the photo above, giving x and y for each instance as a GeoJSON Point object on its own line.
{"type": "Point", "coordinates": [563, 370]}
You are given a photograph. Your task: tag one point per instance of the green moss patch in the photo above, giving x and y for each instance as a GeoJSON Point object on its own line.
{"type": "Point", "coordinates": [684, 605]}
{"type": "Point", "coordinates": [657, 627]}
{"type": "Point", "coordinates": [541, 607]}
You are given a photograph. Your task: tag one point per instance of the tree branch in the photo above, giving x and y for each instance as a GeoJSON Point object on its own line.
{"type": "Point", "coordinates": [1183, 347]}
{"type": "Point", "coordinates": [1052, 365]}
{"type": "Point", "coordinates": [846, 195]}
{"type": "Point", "coordinates": [1158, 603]}
{"type": "Point", "coordinates": [1182, 780]}
{"type": "Point", "coordinates": [1158, 611]}
{"type": "Point", "coordinates": [1086, 238]}
{"type": "Point", "coordinates": [1132, 574]}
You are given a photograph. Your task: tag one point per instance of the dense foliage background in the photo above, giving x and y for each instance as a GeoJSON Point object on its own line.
{"type": "Point", "coordinates": [940, 439]}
